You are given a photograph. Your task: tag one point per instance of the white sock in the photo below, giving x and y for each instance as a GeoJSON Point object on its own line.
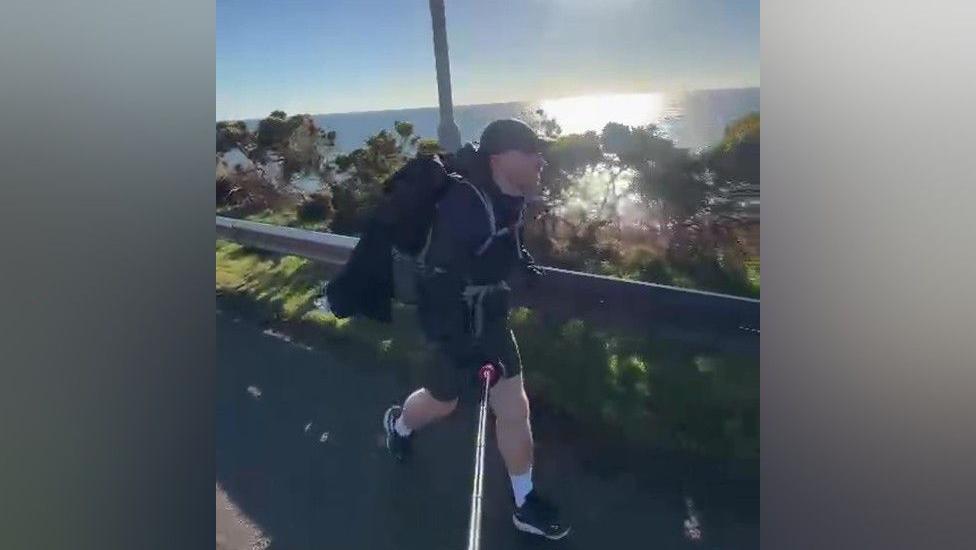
{"type": "Point", "coordinates": [401, 428]}
{"type": "Point", "coordinates": [521, 486]}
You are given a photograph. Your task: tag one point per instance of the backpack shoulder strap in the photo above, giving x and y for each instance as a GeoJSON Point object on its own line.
{"type": "Point", "coordinates": [486, 202]}
{"type": "Point", "coordinates": [493, 232]}
{"type": "Point", "coordinates": [490, 211]}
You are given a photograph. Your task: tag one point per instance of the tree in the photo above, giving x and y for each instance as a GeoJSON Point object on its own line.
{"type": "Point", "coordinates": [567, 157]}
{"type": "Point", "coordinates": [306, 148]}
{"type": "Point", "coordinates": [249, 192]}
{"type": "Point", "coordinates": [736, 157]}
{"type": "Point", "coordinates": [361, 175]}
{"type": "Point", "coordinates": [231, 134]}
{"type": "Point", "coordinates": [274, 130]}
{"type": "Point", "coordinates": [408, 142]}
{"type": "Point", "coordinates": [297, 142]}
{"type": "Point", "coordinates": [582, 227]}
{"type": "Point", "coordinates": [547, 125]}
{"type": "Point", "coordinates": [316, 208]}
{"type": "Point", "coordinates": [667, 175]}
{"type": "Point", "coordinates": [428, 146]}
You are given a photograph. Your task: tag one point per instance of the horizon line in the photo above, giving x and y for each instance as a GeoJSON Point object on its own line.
{"type": "Point", "coordinates": [490, 103]}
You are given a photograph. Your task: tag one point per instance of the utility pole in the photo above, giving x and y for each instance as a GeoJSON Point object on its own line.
{"type": "Point", "coordinates": [447, 130]}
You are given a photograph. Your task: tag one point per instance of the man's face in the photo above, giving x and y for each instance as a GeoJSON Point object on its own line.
{"type": "Point", "coordinates": [522, 169]}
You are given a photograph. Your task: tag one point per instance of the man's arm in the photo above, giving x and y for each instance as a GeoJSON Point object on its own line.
{"type": "Point", "coordinates": [453, 242]}
{"type": "Point", "coordinates": [531, 271]}
{"type": "Point", "coordinates": [459, 222]}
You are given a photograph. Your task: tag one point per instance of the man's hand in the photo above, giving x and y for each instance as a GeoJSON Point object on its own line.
{"type": "Point", "coordinates": [533, 274]}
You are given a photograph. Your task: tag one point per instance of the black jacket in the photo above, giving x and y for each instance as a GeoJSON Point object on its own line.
{"type": "Point", "coordinates": [460, 227]}
{"type": "Point", "coordinates": [365, 284]}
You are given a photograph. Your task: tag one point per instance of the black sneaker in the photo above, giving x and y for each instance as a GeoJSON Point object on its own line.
{"type": "Point", "coordinates": [539, 517]}
{"type": "Point", "coordinates": [398, 445]}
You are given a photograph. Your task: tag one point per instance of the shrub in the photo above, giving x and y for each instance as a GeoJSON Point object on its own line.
{"type": "Point", "coordinates": [231, 134]}
{"type": "Point", "coordinates": [223, 191]}
{"type": "Point", "coordinates": [316, 208]}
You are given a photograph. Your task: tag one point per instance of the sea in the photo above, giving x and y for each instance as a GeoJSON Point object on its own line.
{"type": "Point", "coordinates": [693, 119]}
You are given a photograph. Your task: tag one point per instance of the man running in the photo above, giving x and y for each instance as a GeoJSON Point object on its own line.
{"type": "Point", "coordinates": [463, 307]}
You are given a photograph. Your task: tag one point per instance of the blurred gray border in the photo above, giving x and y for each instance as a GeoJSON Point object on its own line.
{"type": "Point", "coordinates": [107, 140]}
{"type": "Point", "coordinates": [868, 310]}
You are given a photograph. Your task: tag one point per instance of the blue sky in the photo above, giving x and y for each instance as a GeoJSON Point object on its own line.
{"type": "Point", "coordinates": [328, 56]}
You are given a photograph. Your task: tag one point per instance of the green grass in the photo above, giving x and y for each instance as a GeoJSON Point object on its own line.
{"type": "Point", "coordinates": [752, 272]}
{"type": "Point", "coordinates": [283, 288]}
{"type": "Point", "coordinates": [632, 388]}
{"type": "Point", "coordinates": [274, 217]}
{"type": "Point", "coordinates": [286, 284]}
{"type": "Point", "coordinates": [645, 390]}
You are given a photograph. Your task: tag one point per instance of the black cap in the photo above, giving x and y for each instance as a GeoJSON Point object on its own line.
{"type": "Point", "coordinates": [509, 133]}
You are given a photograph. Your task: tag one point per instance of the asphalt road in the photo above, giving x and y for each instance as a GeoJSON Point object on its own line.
{"type": "Point", "coordinates": [301, 464]}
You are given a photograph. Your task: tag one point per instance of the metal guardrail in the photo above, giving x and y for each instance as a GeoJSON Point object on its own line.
{"type": "Point", "coordinates": [703, 319]}
{"type": "Point", "coordinates": [321, 247]}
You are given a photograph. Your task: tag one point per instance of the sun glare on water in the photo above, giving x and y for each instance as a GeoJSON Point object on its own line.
{"type": "Point", "coordinates": [592, 112]}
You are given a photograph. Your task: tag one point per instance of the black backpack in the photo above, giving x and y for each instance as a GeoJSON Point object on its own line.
{"type": "Point", "coordinates": [409, 207]}
{"type": "Point", "coordinates": [410, 200]}
{"type": "Point", "coordinates": [390, 256]}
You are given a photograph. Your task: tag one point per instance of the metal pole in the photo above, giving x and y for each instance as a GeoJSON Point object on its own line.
{"type": "Point", "coordinates": [488, 374]}
{"type": "Point", "coordinates": [447, 131]}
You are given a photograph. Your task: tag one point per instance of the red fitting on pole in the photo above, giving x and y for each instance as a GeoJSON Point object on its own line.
{"type": "Point", "coordinates": [488, 373]}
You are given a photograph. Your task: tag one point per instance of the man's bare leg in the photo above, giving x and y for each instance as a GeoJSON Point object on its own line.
{"type": "Point", "coordinates": [512, 428]}
{"type": "Point", "coordinates": [421, 408]}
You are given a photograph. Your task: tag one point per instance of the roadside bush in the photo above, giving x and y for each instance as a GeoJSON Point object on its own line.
{"type": "Point", "coordinates": [316, 208]}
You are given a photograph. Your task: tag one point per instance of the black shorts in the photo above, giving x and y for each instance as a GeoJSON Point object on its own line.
{"type": "Point", "coordinates": [452, 370]}
{"type": "Point", "coordinates": [458, 348]}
